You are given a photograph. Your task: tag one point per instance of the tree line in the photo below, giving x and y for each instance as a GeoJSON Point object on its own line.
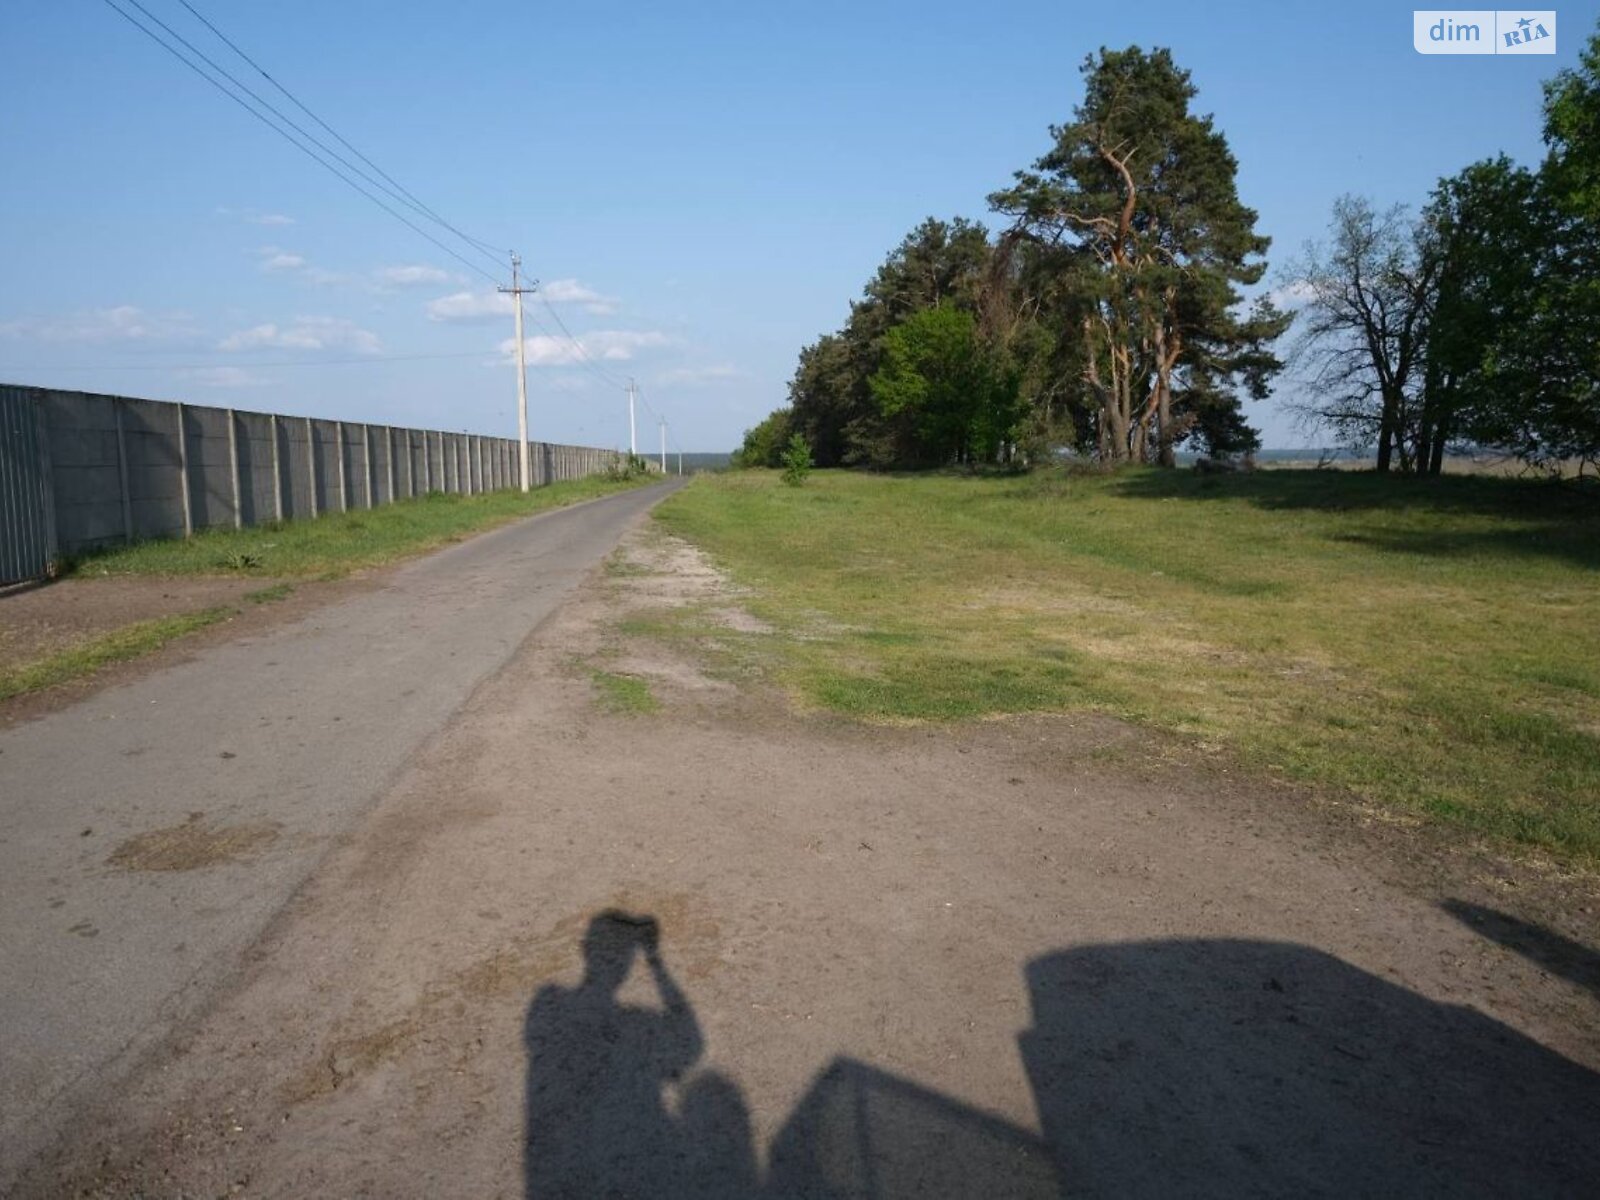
{"type": "Point", "coordinates": [1117, 314]}
{"type": "Point", "coordinates": [1476, 322]}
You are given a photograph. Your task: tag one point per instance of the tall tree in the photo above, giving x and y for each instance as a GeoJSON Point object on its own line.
{"type": "Point", "coordinates": [1030, 311]}
{"type": "Point", "coordinates": [1513, 334]}
{"type": "Point", "coordinates": [1566, 421]}
{"type": "Point", "coordinates": [1572, 134]}
{"type": "Point", "coordinates": [938, 262]}
{"type": "Point", "coordinates": [942, 395]}
{"type": "Point", "coordinates": [1479, 323]}
{"type": "Point", "coordinates": [827, 393]}
{"type": "Point", "coordinates": [763, 445]}
{"type": "Point", "coordinates": [1484, 229]}
{"type": "Point", "coordinates": [1141, 195]}
{"type": "Point", "coordinates": [1368, 296]}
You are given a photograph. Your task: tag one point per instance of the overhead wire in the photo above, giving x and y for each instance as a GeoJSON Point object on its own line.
{"type": "Point", "coordinates": [672, 440]}
{"type": "Point", "coordinates": [265, 120]}
{"type": "Point", "coordinates": [399, 191]}
{"type": "Point", "coordinates": [386, 184]}
{"type": "Point", "coordinates": [578, 347]}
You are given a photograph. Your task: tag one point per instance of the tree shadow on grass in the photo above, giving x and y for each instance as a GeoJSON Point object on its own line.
{"type": "Point", "coordinates": [1203, 1067]}
{"type": "Point", "coordinates": [1540, 518]}
{"type": "Point", "coordinates": [1339, 491]}
{"type": "Point", "coordinates": [1575, 544]}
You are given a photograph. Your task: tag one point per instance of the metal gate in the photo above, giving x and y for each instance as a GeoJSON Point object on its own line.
{"type": "Point", "coordinates": [26, 537]}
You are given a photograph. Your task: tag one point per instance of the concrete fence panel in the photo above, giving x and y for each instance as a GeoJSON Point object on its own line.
{"type": "Point", "coordinates": [326, 467]}
{"type": "Point", "coordinates": [294, 466]}
{"type": "Point", "coordinates": [155, 478]}
{"type": "Point", "coordinates": [211, 474]}
{"type": "Point", "coordinates": [257, 473]}
{"type": "Point", "coordinates": [81, 441]}
{"type": "Point", "coordinates": [377, 439]}
{"type": "Point", "coordinates": [104, 469]}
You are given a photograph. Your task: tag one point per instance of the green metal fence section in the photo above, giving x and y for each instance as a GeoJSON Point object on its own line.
{"type": "Point", "coordinates": [27, 535]}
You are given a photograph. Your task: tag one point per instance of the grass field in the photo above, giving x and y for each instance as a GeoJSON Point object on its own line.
{"type": "Point", "coordinates": [335, 544]}
{"type": "Point", "coordinates": [1433, 645]}
{"type": "Point", "coordinates": [90, 655]}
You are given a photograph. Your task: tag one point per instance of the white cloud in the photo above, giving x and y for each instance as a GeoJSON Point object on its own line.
{"type": "Point", "coordinates": [1292, 296]}
{"type": "Point", "coordinates": [604, 345]}
{"type": "Point", "coordinates": [305, 333]}
{"type": "Point", "coordinates": [700, 374]}
{"type": "Point", "coordinates": [470, 306]}
{"type": "Point", "coordinates": [124, 323]}
{"type": "Point", "coordinates": [286, 262]}
{"type": "Point", "coordinates": [410, 276]}
{"type": "Point", "coordinates": [570, 291]}
{"type": "Point", "coordinates": [483, 307]}
{"type": "Point", "coordinates": [281, 261]}
{"type": "Point", "coordinates": [275, 259]}
{"type": "Point", "coordinates": [222, 377]}
{"type": "Point", "coordinates": [255, 216]}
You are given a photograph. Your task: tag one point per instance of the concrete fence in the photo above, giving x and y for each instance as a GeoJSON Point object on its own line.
{"type": "Point", "coordinates": [110, 469]}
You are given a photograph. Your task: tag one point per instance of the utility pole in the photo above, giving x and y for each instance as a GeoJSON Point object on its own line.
{"type": "Point", "coordinates": [663, 421]}
{"type": "Point", "coordinates": [633, 434]}
{"type": "Point", "coordinates": [680, 464]}
{"type": "Point", "coordinates": [515, 290]}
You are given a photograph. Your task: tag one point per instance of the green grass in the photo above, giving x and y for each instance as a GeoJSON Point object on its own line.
{"type": "Point", "coordinates": [130, 641]}
{"type": "Point", "coordinates": [269, 595]}
{"type": "Point", "coordinates": [623, 693]}
{"type": "Point", "coordinates": [1432, 645]}
{"type": "Point", "coordinates": [333, 545]}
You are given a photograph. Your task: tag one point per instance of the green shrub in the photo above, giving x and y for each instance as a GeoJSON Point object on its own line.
{"type": "Point", "coordinates": [626, 467]}
{"type": "Point", "coordinates": [796, 461]}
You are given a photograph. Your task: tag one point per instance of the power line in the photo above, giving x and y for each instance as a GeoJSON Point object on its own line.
{"type": "Point", "coordinates": [278, 113]}
{"type": "Point", "coordinates": [305, 143]}
{"type": "Point", "coordinates": [267, 121]}
{"type": "Point", "coordinates": [671, 435]}
{"type": "Point", "coordinates": [577, 346]}
{"type": "Point", "coordinates": [584, 358]}
{"type": "Point", "coordinates": [650, 408]}
{"type": "Point", "coordinates": [586, 361]}
{"type": "Point", "coordinates": [400, 192]}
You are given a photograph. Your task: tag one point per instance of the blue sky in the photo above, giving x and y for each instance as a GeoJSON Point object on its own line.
{"type": "Point", "coordinates": [700, 188]}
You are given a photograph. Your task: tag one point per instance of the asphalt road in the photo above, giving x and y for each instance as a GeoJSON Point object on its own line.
{"type": "Point", "coordinates": [279, 741]}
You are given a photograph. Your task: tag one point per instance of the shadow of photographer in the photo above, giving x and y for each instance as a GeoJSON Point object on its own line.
{"type": "Point", "coordinates": [598, 1074]}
